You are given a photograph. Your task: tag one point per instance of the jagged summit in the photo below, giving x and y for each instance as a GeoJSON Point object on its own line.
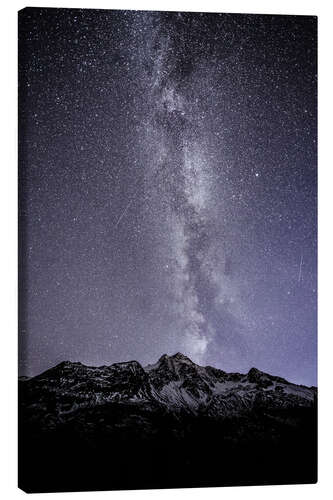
{"type": "Point", "coordinates": [254, 371]}
{"type": "Point", "coordinates": [65, 364]}
{"type": "Point", "coordinates": [178, 357]}
{"type": "Point", "coordinates": [62, 367]}
{"type": "Point", "coordinates": [174, 361]}
{"type": "Point", "coordinates": [170, 361]}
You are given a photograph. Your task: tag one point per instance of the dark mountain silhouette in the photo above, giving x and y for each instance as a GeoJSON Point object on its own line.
{"type": "Point", "coordinates": [169, 424]}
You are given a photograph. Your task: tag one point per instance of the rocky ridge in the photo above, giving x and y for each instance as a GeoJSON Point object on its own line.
{"type": "Point", "coordinates": [174, 382]}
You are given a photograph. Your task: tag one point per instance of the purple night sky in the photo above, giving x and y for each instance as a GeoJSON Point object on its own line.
{"type": "Point", "coordinates": [168, 189]}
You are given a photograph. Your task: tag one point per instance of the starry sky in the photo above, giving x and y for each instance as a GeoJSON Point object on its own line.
{"type": "Point", "coordinates": [168, 189]}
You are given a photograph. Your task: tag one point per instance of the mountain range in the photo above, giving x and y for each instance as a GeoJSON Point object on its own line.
{"type": "Point", "coordinates": [169, 424]}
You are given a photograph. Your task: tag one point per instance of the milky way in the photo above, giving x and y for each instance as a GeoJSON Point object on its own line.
{"type": "Point", "coordinates": [168, 189]}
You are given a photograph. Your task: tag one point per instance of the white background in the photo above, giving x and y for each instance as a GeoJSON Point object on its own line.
{"type": "Point", "coordinates": [8, 236]}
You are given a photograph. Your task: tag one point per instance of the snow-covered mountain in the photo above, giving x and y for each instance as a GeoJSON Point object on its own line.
{"type": "Point", "coordinates": [169, 424]}
{"type": "Point", "coordinates": [174, 382]}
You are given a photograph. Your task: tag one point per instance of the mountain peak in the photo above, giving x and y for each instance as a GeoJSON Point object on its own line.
{"type": "Point", "coordinates": [128, 365]}
{"type": "Point", "coordinates": [254, 371]}
{"type": "Point", "coordinates": [179, 355]}
{"type": "Point", "coordinates": [176, 357]}
{"type": "Point", "coordinates": [66, 365]}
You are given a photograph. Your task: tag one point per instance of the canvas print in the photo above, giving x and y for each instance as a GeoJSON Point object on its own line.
{"type": "Point", "coordinates": [167, 249]}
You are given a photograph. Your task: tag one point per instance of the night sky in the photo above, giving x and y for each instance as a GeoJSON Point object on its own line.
{"type": "Point", "coordinates": [168, 196]}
